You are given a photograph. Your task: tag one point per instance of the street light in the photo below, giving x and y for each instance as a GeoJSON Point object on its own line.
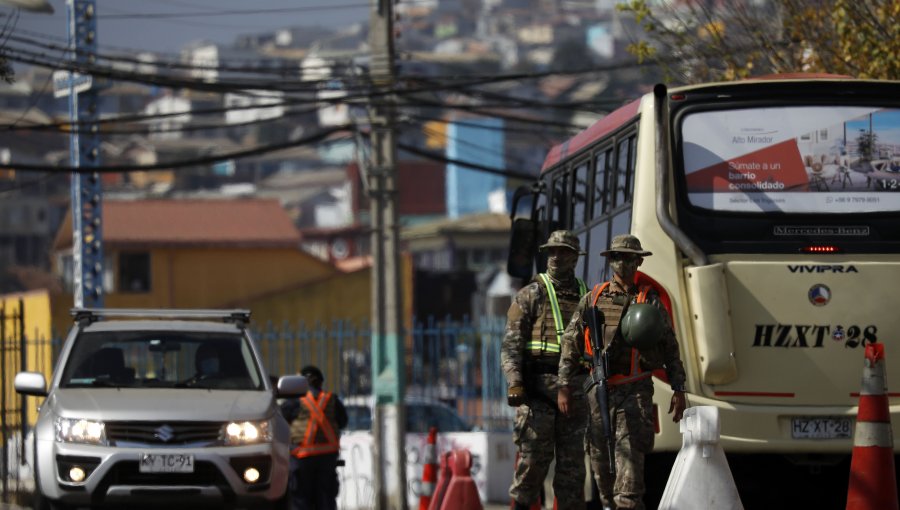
{"type": "Point", "coordinates": [30, 5]}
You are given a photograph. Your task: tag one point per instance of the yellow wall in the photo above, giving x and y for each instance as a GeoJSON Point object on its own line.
{"type": "Point", "coordinates": [38, 353]}
{"type": "Point", "coordinates": [209, 278]}
{"type": "Point", "coordinates": [345, 296]}
{"type": "Point", "coordinates": [214, 277]}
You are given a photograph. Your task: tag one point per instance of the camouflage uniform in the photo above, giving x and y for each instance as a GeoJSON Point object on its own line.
{"type": "Point", "coordinates": [530, 359]}
{"type": "Point", "coordinates": [630, 403]}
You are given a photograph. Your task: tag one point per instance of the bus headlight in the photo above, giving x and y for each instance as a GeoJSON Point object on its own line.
{"type": "Point", "coordinates": [76, 430]}
{"type": "Point", "coordinates": [247, 432]}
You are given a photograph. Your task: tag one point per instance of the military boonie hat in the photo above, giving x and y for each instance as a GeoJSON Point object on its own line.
{"type": "Point", "coordinates": [563, 239]}
{"type": "Point", "coordinates": [626, 243]}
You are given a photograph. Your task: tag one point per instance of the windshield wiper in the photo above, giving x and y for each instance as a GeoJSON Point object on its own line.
{"type": "Point", "coordinates": [102, 383]}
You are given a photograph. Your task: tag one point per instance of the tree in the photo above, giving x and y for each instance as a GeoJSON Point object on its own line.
{"type": "Point", "coordinates": [705, 40]}
{"type": "Point", "coordinates": [865, 144]}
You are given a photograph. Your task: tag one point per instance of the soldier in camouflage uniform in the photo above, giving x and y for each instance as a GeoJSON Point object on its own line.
{"type": "Point", "coordinates": [630, 386]}
{"type": "Point", "coordinates": [530, 360]}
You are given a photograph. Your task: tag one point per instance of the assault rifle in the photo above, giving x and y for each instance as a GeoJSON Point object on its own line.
{"type": "Point", "coordinates": [596, 324]}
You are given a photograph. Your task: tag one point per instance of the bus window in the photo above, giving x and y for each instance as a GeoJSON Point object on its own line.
{"type": "Point", "coordinates": [582, 261]}
{"type": "Point", "coordinates": [558, 200]}
{"type": "Point", "coordinates": [621, 223]}
{"type": "Point", "coordinates": [601, 166]}
{"type": "Point", "coordinates": [596, 263]}
{"type": "Point", "coordinates": [580, 195]}
{"type": "Point", "coordinates": [623, 173]}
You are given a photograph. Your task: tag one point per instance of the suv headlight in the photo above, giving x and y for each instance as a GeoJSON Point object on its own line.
{"type": "Point", "coordinates": [247, 432]}
{"type": "Point", "coordinates": [77, 430]}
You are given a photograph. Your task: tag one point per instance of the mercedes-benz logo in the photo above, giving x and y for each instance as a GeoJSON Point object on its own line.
{"type": "Point", "coordinates": [165, 433]}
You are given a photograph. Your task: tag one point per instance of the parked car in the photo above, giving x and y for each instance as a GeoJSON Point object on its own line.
{"type": "Point", "coordinates": [422, 413]}
{"type": "Point", "coordinates": [160, 407]}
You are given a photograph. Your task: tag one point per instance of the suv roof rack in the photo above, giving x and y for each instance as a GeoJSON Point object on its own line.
{"type": "Point", "coordinates": [85, 316]}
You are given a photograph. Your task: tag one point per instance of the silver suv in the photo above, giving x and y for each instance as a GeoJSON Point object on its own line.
{"type": "Point", "coordinates": [158, 407]}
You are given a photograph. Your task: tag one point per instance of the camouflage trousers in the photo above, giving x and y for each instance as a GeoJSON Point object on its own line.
{"type": "Point", "coordinates": [539, 431]}
{"type": "Point", "coordinates": [631, 410]}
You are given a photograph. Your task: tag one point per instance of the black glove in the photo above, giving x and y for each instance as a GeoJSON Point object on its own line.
{"type": "Point", "coordinates": [515, 396]}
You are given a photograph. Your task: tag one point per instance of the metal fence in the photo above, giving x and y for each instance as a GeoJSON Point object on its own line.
{"type": "Point", "coordinates": [13, 410]}
{"type": "Point", "coordinates": [454, 361]}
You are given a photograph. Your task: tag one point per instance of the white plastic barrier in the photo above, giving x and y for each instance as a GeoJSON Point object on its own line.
{"type": "Point", "coordinates": [493, 454]}
{"type": "Point", "coordinates": [700, 477]}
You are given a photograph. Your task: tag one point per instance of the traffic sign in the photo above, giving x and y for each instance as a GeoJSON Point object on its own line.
{"type": "Point", "coordinates": [63, 82]}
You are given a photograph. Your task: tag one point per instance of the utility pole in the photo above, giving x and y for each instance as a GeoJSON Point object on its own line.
{"type": "Point", "coordinates": [84, 150]}
{"type": "Point", "coordinates": [388, 369]}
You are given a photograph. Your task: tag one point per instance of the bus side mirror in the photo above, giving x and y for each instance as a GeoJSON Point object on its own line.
{"type": "Point", "coordinates": [522, 249]}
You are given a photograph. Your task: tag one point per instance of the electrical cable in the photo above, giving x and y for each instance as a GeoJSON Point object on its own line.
{"type": "Point", "coordinates": [412, 149]}
{"type": "Point", "coordinates": [206, 160]}
{"type": "Point", "coordinates": [233, 12]}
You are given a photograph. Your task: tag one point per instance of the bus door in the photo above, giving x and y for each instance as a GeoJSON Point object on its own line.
{"type": "Point", "coordinates": [534, 215]}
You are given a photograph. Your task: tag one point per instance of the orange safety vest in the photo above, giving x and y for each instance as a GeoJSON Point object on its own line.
{"type": "Point", "coordinates": [320, 436]}
{"type": "Point", "coordinates": [635, 373]}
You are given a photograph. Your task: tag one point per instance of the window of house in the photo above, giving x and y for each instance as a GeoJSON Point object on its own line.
{"type": "Point", "coordinates": [134, 272]}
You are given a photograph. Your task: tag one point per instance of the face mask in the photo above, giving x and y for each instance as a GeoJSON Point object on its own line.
{"type": "Point", "coordinates": [626, 268]}
{"type": "Point", "coordinates": [209, 366]}
{"type": "Point", "coordinates": [561, 264]}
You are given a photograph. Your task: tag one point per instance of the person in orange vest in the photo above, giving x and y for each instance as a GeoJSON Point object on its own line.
{"type": "Point", "coordinates": [632, 354]}
{"type": "Point", "coordinates": [316, 419]}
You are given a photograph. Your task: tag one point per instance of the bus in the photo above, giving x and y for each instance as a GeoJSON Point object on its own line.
{"type": "Point", "coordinates": [771, 207]}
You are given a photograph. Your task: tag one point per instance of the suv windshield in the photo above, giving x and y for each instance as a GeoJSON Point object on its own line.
{"type": "Point", "coordinates": [160, 359]}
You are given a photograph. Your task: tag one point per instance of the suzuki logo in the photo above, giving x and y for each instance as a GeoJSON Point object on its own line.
{"type": "Point", "coordinates": [165, 433]}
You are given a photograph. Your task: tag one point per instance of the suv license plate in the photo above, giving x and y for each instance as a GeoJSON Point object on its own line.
{"type": "Point", "coordinates": [821, 428]}
{"type": "Point", "coordinates": [167, 463]}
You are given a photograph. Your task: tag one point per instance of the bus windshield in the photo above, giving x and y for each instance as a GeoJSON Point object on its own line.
{"type": "Point", "coordinates": [793, 159]}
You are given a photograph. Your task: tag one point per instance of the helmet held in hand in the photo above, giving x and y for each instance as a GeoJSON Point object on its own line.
{"type": "Point", "coordinates": [642, 326]}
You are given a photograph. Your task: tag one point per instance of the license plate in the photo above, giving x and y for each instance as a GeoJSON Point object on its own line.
{"type": "Point", "coordinates": [821, 428]}
{"type": "Point", "coordinates": [167, 463]}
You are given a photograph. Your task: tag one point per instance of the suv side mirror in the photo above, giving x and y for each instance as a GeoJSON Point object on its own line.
{"type": "Point", "coordinates": [31, 383]}
{"type": "Point", "coordinates": [291, 386]}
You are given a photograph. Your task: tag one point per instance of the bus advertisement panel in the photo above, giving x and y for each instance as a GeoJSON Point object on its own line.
{"type": "Point", "coordinates": [804, 159]}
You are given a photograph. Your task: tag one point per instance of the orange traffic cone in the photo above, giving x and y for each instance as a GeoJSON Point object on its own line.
{"type": "Point", "coordinates": [429, 470]}
{"type": "Point", "coordinates": [442, 483]}
{"type": "Point", "coordinates": [873, 483]}
{"type": "Point", "coordinates": [462, 493]}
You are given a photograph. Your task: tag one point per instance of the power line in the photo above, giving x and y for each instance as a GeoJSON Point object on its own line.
{"type": "Point", "coordinates": [33, 182]}
{"type": "Point", "coordinates": [412, 149]}
{"type": "Point", "coordinates": [170, 64]}
{"type": "Point", "coordinates": [234, 12]}
{"type": "Point", "coordinates": [206, 160]}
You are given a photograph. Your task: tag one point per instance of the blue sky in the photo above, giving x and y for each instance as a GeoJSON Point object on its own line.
{"type": "Point", "coordinates": [129, 24]}
{"type": "Point", "coordinates": [885, 123]}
